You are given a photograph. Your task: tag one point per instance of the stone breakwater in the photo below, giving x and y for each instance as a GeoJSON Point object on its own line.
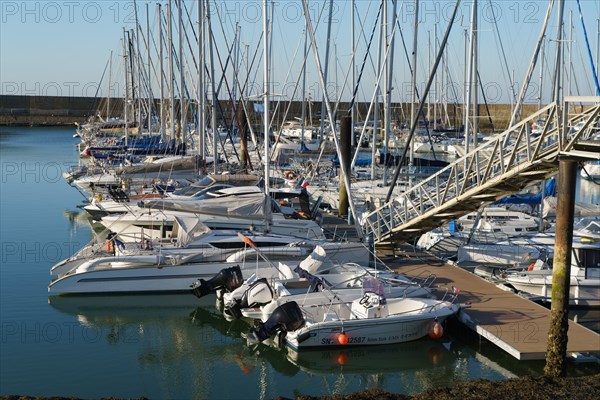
{"type": "Point", "coordinates": [57, 111]}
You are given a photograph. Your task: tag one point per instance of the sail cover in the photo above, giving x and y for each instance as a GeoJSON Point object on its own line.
{"type": "Point", "coordinates": [249, 206]}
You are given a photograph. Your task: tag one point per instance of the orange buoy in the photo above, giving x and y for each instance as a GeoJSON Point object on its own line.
{"type": "Point", "coordinates": [435, 330]}
{"type": "Point", "coordinates": [342, 338]}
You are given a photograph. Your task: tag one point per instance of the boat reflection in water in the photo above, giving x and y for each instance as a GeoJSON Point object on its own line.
{"type": "Point", "coordinates": [188, 349]}
{"type": "Point", "coordinates": [423, 354]}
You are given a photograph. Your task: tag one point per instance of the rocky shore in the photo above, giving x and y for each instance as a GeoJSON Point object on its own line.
{"type": "Point", "coordinates": [524, 388]}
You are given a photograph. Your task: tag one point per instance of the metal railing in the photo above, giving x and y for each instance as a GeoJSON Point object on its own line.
{"type": "Point", "coordinates": [505, 164]}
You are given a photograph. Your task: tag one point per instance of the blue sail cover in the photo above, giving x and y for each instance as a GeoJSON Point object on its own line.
{"type": "Point", "coordinates": [550, 191]}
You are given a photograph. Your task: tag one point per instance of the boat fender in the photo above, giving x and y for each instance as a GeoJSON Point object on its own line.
{"type": "Point", "coordinates": [435, 329]}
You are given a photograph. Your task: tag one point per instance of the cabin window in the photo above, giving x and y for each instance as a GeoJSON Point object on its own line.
{"type": "Point", "coordinates": [589, 258]}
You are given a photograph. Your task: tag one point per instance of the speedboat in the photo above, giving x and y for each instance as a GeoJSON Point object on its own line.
{"type": "Point", "coordinates": [174, 269]}
{"type": "Point", "coordinates": [312, 284]}
{"type": "Point", "coordinates": [368, 320]}
{"type": "Point", "coordinates": [584, 278]}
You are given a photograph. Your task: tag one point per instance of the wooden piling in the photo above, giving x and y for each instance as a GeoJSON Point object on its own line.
{"type": "Point", "coordinates": [556, 354]}
{"type": "Point", "coordinates": [346, 153]}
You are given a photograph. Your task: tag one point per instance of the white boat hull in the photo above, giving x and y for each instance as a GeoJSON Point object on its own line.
{"type": "Point", "coordinates": [583, 292]}
{"type": "Point", "coordinates": [411, 324]}
{"type": "Point", "coordinates": [146, 278]}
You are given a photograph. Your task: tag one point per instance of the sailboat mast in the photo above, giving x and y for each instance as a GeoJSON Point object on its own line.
{"type": "Point", "coordinates": [267, 159]}
{"type": "Point", "coordinates": [182, 103]}
{"type": "Point", "coordinates": [126, 74]}
{"type": "Point", "coordinates": [170, 68]}
{"type": "Point", "coordinates": [213, 119]}
{"type": "Point", "coordinates": [413, 84]}
{"type": "Point", "coordinates": [541, 77]}
{"type": "Point", "coordinates": [325, 71]}
{"type": "Point", "coordinates": [559, 55]}
{"type": "Point", "coordinates": [303, 121]}
{"type": "Point", "coordinates": [201, 89]}
{"type": "Point", "coordinates": [353, 27]}
{"type": "Point", "coordinates": [474, 37]}
{"type": "Point", "coordinates": [109, 85]}
{"type": "Point", "coordinates": [149, 61]}
{"type": "Point", "coordinates": [471, 77]}
{"type": "Point", "coordinates": [570, 62]}
{"type": "Point", "coordinates": [139, 68]}
{"type": "Point", "coordinates": [388, 88]}
{"type": "Point", "coordinates": [163, 127]}
{"type": "Point", "coordinates": [375, 135]}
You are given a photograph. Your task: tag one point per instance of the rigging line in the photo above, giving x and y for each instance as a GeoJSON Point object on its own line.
{"type": "Point", "coordinates": [410, 68]}
{"type": "Point", "coordinates": [274, 147]}
{"type": "Point", "coordinates": [364, 37]}
{"type": "Point", "coordinates": [94, 105]}
{"type": "Point", "coordinates": [218, 103]}
{"type": "Point", "coordinates": [344, 167]}
{"type": "Point", "coordinates": [295, 86]}
{"type": "Point", "coordinates": [145, 80]}
{"type": "Point", "coordinates": [285, 84]}
{"type": "Point", "coordinates": [297, 83]}
{"type": "Point", "coordinates": [228, 88]}
{"type": "Point", "coordinates": [587, 43]}
{"type": "Point", "coordinates": [487, 108]}
{"type": "Point", "coordinates": [503, 53]}
{"type": "Point", "coordinates": [422, 104]}
{"type": "Point", "coordinates": [236, 81]}
{"type": "Point", "coordinates": [379, 75]}
{"type": "Point", "coordinates": [362, 67]}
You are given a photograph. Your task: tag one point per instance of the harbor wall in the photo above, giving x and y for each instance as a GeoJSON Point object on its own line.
{"type": "Point", "coordinates": [53, 110]}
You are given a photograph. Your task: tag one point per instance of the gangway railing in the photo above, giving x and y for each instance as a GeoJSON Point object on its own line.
{"type": "Point", "coordinates": [505, 164]}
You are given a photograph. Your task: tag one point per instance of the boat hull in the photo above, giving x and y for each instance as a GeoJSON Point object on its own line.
{"type": "Point", "coordinates": [369, 331]}
{"type": "Point", "coordinates": [582, 292]}
{"type": "Point", "coordinates": [145, 279]}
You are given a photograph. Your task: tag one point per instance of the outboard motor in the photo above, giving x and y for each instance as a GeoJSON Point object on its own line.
{"type": "Point", "coordinates": [258, 294]}
{"type": "Point", "coordinates": [287, 317]}
{"type": "Point", "coordinates": [228, 278]}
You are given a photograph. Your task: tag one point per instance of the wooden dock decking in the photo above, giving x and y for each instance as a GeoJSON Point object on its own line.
{"type": "Point", "coordinates": [517, 325]}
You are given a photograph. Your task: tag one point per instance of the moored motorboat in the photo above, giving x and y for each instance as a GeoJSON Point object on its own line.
{"type": "Point", "coordinates": [367, 320]}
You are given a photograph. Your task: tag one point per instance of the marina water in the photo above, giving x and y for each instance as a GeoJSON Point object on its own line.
{"type": "Point", "coordinates": [173, 346]}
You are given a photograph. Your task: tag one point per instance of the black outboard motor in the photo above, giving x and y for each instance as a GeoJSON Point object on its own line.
{"type": "Point", "coordinates": [287, 317]}
{"type": "Point", "coordinates": [258, 294]}
{"type": "Point", "coordinates": [228, 278]}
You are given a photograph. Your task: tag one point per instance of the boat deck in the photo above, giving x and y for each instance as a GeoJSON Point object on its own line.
{"type": "Point", "coordinates": [517, 325]}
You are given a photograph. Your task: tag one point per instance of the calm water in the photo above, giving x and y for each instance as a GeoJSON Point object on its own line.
{"type": "Point", "coordinates": [169, 346]}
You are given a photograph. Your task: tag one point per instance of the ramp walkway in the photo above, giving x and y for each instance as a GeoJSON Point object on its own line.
{"type": "Point", "coordinates": [501, 166]}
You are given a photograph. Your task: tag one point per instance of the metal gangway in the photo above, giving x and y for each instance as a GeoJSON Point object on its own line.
{"type": "Point", "coordinates": [507, 163]}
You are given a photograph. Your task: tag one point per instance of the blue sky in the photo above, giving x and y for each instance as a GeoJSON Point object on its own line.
{"type": "Point", "coordinates": [62, 47]}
